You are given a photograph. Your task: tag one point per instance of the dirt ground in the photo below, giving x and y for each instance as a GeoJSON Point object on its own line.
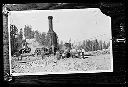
{"type": "Point", "coordinates": [51, 64]}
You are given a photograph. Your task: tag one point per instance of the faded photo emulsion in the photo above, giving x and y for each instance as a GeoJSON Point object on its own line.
{"type": "Point", "coordinates": [61, 41]}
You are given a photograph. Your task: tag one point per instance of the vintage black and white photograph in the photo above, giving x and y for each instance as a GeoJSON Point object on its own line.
{"type": "Point", "coordinates": [59, 41]}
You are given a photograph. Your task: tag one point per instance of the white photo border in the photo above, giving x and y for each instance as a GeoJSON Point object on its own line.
{"type": "Point", "coordinates": [46, 73]}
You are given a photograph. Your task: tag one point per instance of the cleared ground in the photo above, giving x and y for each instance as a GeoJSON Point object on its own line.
{"type": "Point", "coordinates": [51, 64]}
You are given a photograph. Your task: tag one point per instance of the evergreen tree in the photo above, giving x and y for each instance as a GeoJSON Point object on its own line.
{"type": "Point", "coordinates": [13, 38]}
{"type": "Point", "coordinates": [104, 45]}
{"type": "Point", "coordinates": [21, 34]}
{"type": "Point", "coordinates": [47, 42]}
{"type": "Point", "coordinates": [27, 32]}
{"type": "Point", "coordinates": [37, 34]}
{"type": "Point", "coordinates": [40, 37]}
{"type": "Point", "coordinates": [100, 45]}
{"type": "Point", "coordinates": [108, 44]}
{"type": "Point", "coordinates": [84, 44]}
{"type": "Point", "coordinates": [43, 38]}
{"type": "Point", "coordinates": [89, 45]}
{"type": "Point", "coordinates": [96, 45]}
{"type": "Point", "coordinates": [32, 34]}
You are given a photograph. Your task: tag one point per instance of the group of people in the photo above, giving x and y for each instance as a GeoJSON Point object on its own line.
{"type": "Point", "coordinates": [74, 53]}
{"type": "Point", "coordinates": [66, 53]}
{"type": "Point", "coordinates": [78, 52]}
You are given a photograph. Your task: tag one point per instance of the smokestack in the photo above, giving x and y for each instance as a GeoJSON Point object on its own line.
{"type": "Point", "coordinates": [50, 23]}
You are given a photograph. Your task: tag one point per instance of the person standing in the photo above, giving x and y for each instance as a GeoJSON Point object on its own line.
{"type": "Point", "coordinates": [58, 55]}
{"type": "Point", "coordinates": [83, 52]}
{"type": "Point", "coordinates": [78, 52]}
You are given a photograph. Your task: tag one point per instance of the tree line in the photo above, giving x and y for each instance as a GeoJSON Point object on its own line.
{"type": "Point", "coordinates": [89, 45]}
{"type": "Point", "coordinates": [16, 38]}
{"type": "Point", "coordinates": [94, 45]}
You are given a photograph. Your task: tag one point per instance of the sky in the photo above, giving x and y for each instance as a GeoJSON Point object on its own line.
{"type": "Point", "coordinates": [74, 24]}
